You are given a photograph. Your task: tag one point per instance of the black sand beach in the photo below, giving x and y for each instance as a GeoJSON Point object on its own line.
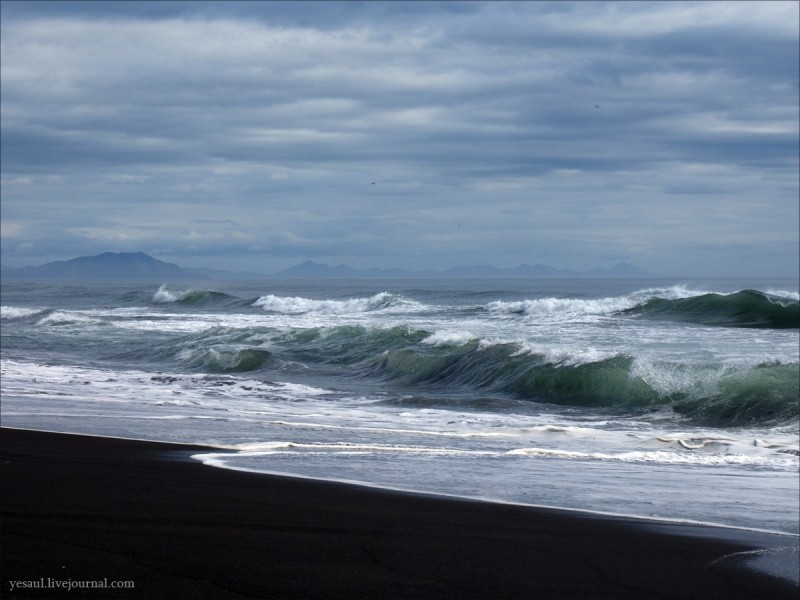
{"type": "Point", "coordinates": [86, 509]}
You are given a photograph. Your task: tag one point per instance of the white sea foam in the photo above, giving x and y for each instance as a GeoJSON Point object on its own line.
{"type": "Point", "coordinates": [565, 356]}
{"type": "Point", "coordinates": [164, 295]}
{"type": "Point", "coordinates": [784, 294]}
{"type": "Point", "coordinates": [659, 456]}
{"type": "Point", "coordinates": [667, 377]}
{"type": "Point", "coordinates": [59, 317]}
{"type": "Point", "coordinates": [448, 338]}
{"type": "Point", "coordinates": [264, 448]}
{"type": "Point", "coordinates": [595, 307]}
{"type": "Point", "coordinates": [396, 430]}
{"type": "Point", "coordinates": [566, 306]}
{"type": "Point", "coordinates": [16, 312]}
{"type": "Point", "coordinates": [297, 305]}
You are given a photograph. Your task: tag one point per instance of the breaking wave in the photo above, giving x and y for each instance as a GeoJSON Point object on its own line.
{"type": "Point", "coordinates": [583, 306]}
{"type": "Point", "coordinates": [219, 360]}
{"type": "Point", "coordinates": [439, 356]}
{"type": "Point", "coordinates": [165, 295]}
{"type": "Point", "coordinates": [16, 312]}
{"type": "Point", "coordinates": [713, 395]}
{"type": "Point", "coordinates": [420, 362]}
{"type": "Point", "coordinates": [747, 308]}
{"type": "Point", "coordinates": [295, 305]}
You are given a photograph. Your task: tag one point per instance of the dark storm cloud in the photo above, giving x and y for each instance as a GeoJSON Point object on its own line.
{"type": "Point", "coordinates": [347, 131]}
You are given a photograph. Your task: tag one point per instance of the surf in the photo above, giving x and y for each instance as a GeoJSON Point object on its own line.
{"type": "Point", "coordinates": [191, 297]}
{"type": "Point", "coordinates": [746, 308]}
{"type": "Point", "coordinates": [299, 305]}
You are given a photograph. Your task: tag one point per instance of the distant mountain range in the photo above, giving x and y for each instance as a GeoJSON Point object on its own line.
{"type": "Point", "coordinates": [137, 266]}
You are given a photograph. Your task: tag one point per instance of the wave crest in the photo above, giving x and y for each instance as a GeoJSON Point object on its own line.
{"type": "Point", "coordinates": [221, 360]}
{"type": "Point", "coordinates": [713, 395]}
{"type": "Point", "coordinates": [747, 308]}
{"type": "Point", "coordinates": [165, 295]}
{"type": "Point", "coordinates": [588, 306]}
{"type": "Point", "coordinates": [18, 312]}
{"type": "Point", "coordinates": [298, 305]}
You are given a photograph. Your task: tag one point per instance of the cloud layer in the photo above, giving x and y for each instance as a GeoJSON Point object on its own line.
{"type": "Point", "coordinates": [419, 135]}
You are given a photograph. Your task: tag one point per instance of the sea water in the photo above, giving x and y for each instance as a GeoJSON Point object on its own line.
{"type": "Point", "coordinates": [655, 398]}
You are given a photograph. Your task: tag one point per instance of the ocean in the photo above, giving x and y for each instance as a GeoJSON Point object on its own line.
{"type": "Point", "coordinates": [655, 398]}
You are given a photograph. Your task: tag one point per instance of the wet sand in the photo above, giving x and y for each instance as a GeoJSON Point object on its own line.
{"type": "Point", "coordinates": [87, 509]}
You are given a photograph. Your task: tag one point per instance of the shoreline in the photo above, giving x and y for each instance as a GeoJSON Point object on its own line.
{"type": "Point", "coordinates": [207, 454]}
{"type": "Point", "coordinates": [642, 520]}
{"type": "Point", "coordinates": [88, 508]}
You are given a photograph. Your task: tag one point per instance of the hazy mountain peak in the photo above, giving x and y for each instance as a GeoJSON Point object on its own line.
{"type": "Point", "coordinates": [138, 266]}
{"type": "Point", "coordinates": [108, 266]}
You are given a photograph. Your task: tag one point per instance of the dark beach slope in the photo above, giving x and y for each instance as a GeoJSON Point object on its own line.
{"type": "Point", "coordinates": [84, 509]}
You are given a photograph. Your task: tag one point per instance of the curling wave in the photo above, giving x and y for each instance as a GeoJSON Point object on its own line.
{"type": "Point", "coordinates": [747, 308]}
{"type": "Point", "coordinates": [164, 295]}
{"type": "Point", "coordinates": [712, 393]}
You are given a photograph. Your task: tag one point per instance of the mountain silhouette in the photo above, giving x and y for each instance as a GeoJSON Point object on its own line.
{"type": "Point", "coordinates": [138, 266]}
{"type": "Point", "coordinates": [109, 266]}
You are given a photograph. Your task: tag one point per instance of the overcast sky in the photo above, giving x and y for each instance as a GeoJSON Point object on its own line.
{"type": "Point", "coordinates": [403, 134]}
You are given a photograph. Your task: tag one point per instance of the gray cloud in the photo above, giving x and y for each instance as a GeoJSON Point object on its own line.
{"type": "Point", "coordinates": [665, 134]}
